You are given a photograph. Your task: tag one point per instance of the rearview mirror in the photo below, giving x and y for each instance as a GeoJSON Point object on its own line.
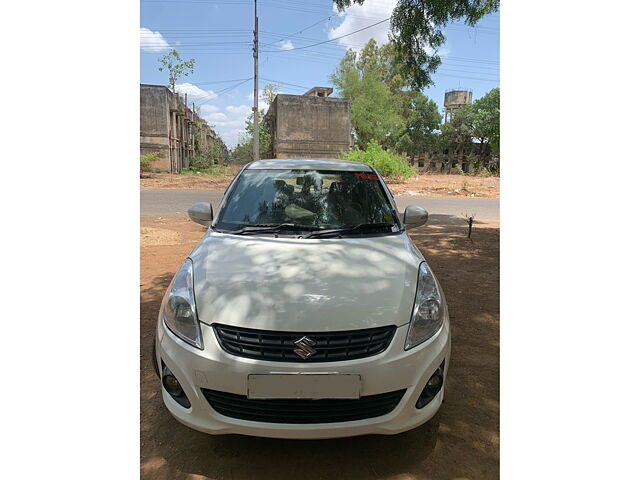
{"type": "Point", "coordinates": [415, 216]}
{"type": "Point", "coordinates": [201, 213]}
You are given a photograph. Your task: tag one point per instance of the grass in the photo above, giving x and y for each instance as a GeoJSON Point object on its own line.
{"type": "Point", "coordinates": [211, 171]}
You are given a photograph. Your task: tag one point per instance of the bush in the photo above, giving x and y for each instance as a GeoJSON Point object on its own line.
{"type": "Point", "coordinates": [483, 172]}
{"type": "Point", "coordinates": [146, 159]}
{"type": "Point", "coordinates": [385, 162]}
{"type": "Point", "coordinates": [494, 167]}
{"type": "Point", "coordinates": [201, 161]}
{"type": "Point", "coordinates": [458, 169]}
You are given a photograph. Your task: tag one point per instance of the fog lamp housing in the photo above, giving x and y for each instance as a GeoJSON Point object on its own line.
{"type": "Point", "coordinates": [432, 388]}
{"type": "Point", "coordinates": [172, 387]}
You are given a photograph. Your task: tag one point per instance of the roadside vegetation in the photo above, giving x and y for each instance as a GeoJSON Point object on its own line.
{"type": "Point", "coordinates": [385, 162]}
{"type": "Point", "coordinates": [211, 171]}
{"type": "Point", "coordinates": [396, 121]}
{"type": "Point", "coordinates": [388, 110]}
{"type": "Point", "coordinates": [243, 152]}
{"type": "Point", "coordinates": [146, 161]}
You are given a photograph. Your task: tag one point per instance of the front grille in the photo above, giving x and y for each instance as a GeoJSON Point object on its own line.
{"type": "Point", "coordinates": [279, 346]}
{"type": "Point", "coordinates": [302, 411]}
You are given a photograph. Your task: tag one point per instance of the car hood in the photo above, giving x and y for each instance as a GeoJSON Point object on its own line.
{"type": "Point", "coordinates": [309, 285]}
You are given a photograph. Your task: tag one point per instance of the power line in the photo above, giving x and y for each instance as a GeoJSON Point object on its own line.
{"type": "Point", "coordinates": [299, 32]}
{"type": "Point", "coordinates": [330, 40]}
{"type": "Point", "coordinates": [467, 78]}
{"type": "Point", "coordinates": [219, 81]}
{"type": "Point", "coordinates": [285, 83]}
{"type": "Point", "coordinates": [221, 92]}
{"type": "Point", "coordinates": [207, 44]}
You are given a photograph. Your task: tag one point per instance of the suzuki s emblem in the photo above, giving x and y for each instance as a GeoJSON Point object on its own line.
{"type": "Point", "coordinates": [305, 347]}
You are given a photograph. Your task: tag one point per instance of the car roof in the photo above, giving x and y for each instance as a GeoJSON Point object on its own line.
{"type": "Point", "coordinates": [309, 164]}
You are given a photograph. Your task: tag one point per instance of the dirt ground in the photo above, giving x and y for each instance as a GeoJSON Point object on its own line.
{"type": "Point", "coordinates": [184, 181]}
{"type": "Point", "coordinates": [460, 442]}
{"type": "Point", "coordinates": [430, 184]}
{"type": "Point", "coordinates": [439, 185]}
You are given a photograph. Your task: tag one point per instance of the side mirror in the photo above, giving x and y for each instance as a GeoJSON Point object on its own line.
{"type": "Point", "coordinates": [201, 213]}
{"type": "Point", "coordinates": [414, 217]}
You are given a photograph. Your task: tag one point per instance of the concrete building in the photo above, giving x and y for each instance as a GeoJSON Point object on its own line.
{"type": "Point", "coordinates": [312, 125]}
{"type": "Point", "coordinates": [470, 157]}
{"type": "Point", "coordinates": [455, 99]}
{"type": "Point", "coordinates": [168, 126]}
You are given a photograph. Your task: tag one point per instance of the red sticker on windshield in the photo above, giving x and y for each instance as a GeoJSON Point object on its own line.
{"type": "Point", "coordinates": [367, 176]}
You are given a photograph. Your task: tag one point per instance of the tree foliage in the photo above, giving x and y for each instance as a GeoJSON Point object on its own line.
{"type": "Point", "coordinates": [269, 92]}
{"type": "Point", "coordinates": [417, 31]}
{"type": "Point", "coordinates": [479, 121]}
{"type": "Point", "coordinates": [486, 120]}
{"type": "Point", "coordinates": [387, 110]}
{"type": "Point", "coordinates": [146, 159]}
{"type": "Point", "coordinates": [244, 150]}
{"type": "Point", "coordinates": [361, 78]}
{"type": "Point", "coordinates": [173, 63]}
{"type": "Point", "coordinates": [384, 107]}
{"type": "Point", "coordinates": [385, 162]}
{"type": "Point", "coordinates": [422, 122]}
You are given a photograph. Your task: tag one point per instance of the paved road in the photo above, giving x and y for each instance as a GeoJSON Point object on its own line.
{"type": "Point", "coordinates": [170, 203]}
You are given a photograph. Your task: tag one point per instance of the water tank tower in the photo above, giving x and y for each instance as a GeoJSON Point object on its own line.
{"type": "Point", "coordinates": [455, 99]}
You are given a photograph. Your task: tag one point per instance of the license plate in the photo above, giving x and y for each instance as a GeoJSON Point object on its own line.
{"type": "Point", "coordinates": [304, 385]}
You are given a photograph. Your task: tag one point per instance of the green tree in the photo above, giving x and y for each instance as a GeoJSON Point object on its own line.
{"type": "Point", "coordinates": [269, 92]}
{"type": "Point", "coordinates": [176, 67]}
{"type": "Point", "coordinates": [364, 78]}
{"type": "Point", "coordinates": [422, 124]}
{"type": "Point", "coordinates": [485, 121]}
{"type": "Point", "coordinates": [244, 150]}
{"type": "Point", "coordinates": [416, 31]}
{"type": "Point", "coordinates": [461, 131]}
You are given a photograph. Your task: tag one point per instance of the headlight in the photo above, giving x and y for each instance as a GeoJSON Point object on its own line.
{"type": "Point", "coordinates": [429, 309]}
{"type": "Point", "coordinates": [179, 307]}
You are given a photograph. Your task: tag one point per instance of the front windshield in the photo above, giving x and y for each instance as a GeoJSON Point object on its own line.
{"type": "Point", "coordinates": [318, 198]}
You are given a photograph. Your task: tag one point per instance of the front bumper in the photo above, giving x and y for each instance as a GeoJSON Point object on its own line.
{"type": "Point", "coordinates": [212, 368]}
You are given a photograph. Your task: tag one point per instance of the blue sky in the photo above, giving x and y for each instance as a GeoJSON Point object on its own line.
{"type": "Point", "coordinates": [218, 35]}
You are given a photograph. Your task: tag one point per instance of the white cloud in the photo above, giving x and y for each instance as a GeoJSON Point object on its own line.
{"type": "Point", "coordinates": [360, 16]}
{"type": "Point", "coordinates": [232, 137]}
{"type": "Point", "coordinates": [229, 124]}
{"type": "Point", "coordinates": [286, 45]}
{"type": "Point", "coordinates": [194, 92]}
{"type": "Point", "coordinates": [212, 115]}
{"type": "Point", "coordinates": [238, 110]}
{"type": "Point", "coordinates": [215, 118]}
{"type": "Point", "coordinates": [262, 105]}
{"type": "Point", "coordinates": [228, 121]}
{"type": "Point", "coordinates": [442, 51]}
{"type": "Point", "coordinates": [152, 41]}
{"type": "Point", "coordinates": [208, 108]}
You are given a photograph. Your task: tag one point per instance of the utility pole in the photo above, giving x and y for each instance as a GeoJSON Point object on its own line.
{"type": "Point", "coordinates": [256, 135]}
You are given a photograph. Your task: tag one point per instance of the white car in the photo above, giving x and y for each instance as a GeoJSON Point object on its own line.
{"type": "Point", "coordinates": [305, 311]}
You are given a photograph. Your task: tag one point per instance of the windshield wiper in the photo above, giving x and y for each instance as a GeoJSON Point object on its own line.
{"type": "Point", "coordinates": [269, 228]}
{"type": "Point", "coordinates": [353, 228]}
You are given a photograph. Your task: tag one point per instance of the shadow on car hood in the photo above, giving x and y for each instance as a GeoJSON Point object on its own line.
{"type": "Point", "coordinates": [305, 284]}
